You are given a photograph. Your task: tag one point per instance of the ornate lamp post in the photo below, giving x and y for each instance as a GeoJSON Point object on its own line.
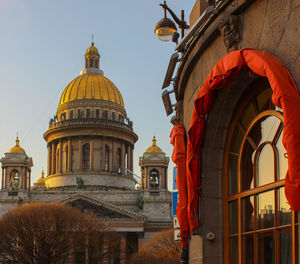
{"type": "Point", "coordinates": [165, 28]}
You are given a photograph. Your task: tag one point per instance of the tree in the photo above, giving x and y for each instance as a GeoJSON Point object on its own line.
{"type": "Point", "coordinates": [43, 233]}
{"type": "Point", "coordinates": [161, 248]}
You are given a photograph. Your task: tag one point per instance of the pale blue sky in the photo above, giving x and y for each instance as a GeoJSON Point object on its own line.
{"type": "Point", "coordinates": [42, 45]}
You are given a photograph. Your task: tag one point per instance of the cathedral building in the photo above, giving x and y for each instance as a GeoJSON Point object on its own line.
{"type": "Point", "coordinates": [90, 144]}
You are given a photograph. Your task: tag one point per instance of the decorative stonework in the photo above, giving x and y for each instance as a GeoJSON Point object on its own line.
{"type": "Point", "coordinates": [230, 30]}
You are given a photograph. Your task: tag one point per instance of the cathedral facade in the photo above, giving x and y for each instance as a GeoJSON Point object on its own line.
{"type": "Point", "coordinates": [90, 144]}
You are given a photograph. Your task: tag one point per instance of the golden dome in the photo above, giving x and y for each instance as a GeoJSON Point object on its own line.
{"type": "Point", "coordinates": [42, 179]}
{"type": "Point", "coordinates": [91, 86]}
{"type": "Point", "coordinates": [17, 148]}
{"type": "Point", "coordinates": [153, 148]}
{"type": "Point", "coordinates": [91, 51]}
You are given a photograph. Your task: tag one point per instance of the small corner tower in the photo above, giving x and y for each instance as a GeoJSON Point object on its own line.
{"type": "Point", "coordinates": [154, 169]}
{"type": "Point", "coordinates": [16, 169]}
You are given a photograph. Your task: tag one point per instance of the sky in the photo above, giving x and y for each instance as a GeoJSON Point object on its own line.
{"type": "Point", "coordinates": [42, 47]}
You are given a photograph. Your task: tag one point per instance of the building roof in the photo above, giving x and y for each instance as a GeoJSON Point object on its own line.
{"type": "Point", "coordinates": [153, 148]}
{"type": "Point", "coordinates": [17, 148]}
{"type": "Point", "coordinates": [91, 84]}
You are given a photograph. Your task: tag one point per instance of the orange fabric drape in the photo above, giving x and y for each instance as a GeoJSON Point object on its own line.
{"type": "Point", "coordinates": [285, 96]}
{"type": "Point", "coordinates": [179, 158]}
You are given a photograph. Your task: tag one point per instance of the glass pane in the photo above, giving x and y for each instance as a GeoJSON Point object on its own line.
{"type": "Point", "coordinates": [247, 166]}
{"type": "Point", "coordinates": [283, 208]}
{"type": "Point", "coordinates": [265, 166]}
{"type": "Point", "coordinates": [266, 248]}
{"type": "Point", "coordinates": [237, 141]}
{"type": "Point", "coordinates": [233, 174]}
{"type": "Point", "coordinates": [233, 250]}
{"type": "Point", "coordinates": [265, 210]}
{"type": "Point", "coordinates": [248, 249]}
{"type": "Point", "coordinates": [283, 162]}
{"type": "Point", "coordinates": [285, 246]}
{"type": "Point", "coordinates": [248, 115]}
{"type": "Point", "coordinates": [233, 217]}
{"type": "Point", "coordinates": [248, 213]}
{"type": "Point", "coordinates": [269, 126]}
{"type": "Point", "coordinates": [263, 100]}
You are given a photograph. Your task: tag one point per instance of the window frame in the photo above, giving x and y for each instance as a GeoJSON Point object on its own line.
{"type": "Point", "coordinates": [240, 194]}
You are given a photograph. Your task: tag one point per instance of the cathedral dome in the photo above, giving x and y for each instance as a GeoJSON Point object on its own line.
{"type": "Point", "coordinates": [153, 148]}
{"type": "Point", "coordinates": [91, 83]}
{"type": "Point", "coordinates": [91, 86]}
{"type": "Point", "coordinates": [17, 148]}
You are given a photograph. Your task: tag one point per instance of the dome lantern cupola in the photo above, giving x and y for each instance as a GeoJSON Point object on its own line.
{"type": "Point", "coordinates": [154, 147]}
{"type": "Point", "coordinates": [17, 147]}
{"type": "Point", "coordinates": [92, 57]}
{"type": "Point", "coordinates": [92, 60]}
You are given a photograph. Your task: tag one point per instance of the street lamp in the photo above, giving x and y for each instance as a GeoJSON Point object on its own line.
{"type": "Point", "coordinates": [165, 28]}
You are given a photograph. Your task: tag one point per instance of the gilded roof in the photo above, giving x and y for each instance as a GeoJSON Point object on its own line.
{"type": "Point", "coordinates": [91, 51]}
{"type": "Point", "coordinates": [17, 148]}
{"type": "Point", "coordinates": [153, 148]}
{"type": "Point", "coordinates": [42, 179]}
{"type": "Point", "coordinates": [91, 86]}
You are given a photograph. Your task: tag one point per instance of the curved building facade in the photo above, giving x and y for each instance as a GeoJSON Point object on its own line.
{"type": "Point", "coordinates": [91, 139]}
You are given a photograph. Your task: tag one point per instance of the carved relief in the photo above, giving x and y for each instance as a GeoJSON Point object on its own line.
{"type": "Point", "coordinates": [230, 30]}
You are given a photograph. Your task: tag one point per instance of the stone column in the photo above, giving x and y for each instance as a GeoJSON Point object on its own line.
{"type": "Point", "coordinates": [80, 154]}
{"type": "Point", "coordinates": [60, 155]}
{"type": "Point", "coordinates": [162, 183]}
{"type": "Point", "coordinates": [123, 248]}
{"type": "Point", "coordinates": [29, 180]}
{"type": "Point", "coordinates": [6, 178]}
{"type": "Point", "coordinates": [110, 156]}
{"type": "Point", "coordinates": [114, 156]}
{"type": "Point", "coordinates": [25, 178]}
{"type": "Point", "coordinates": [128, 158]}
{"type": "Point", "coordinates": [142, 178]}
{"type": "Point", "coordinates": [69, 167]}
{"type": "Point", "coordinates": [3, 176]}
{"type": "Point", "coordinates": [122, 158]}
{"type": "Point", "coordinates": [92, 142]}
{"type": "Point", "coordinates": [21, 177]}
{"type": "Point", "coordinates": [146, 178]}
{"type": "Point", "coordinates": [103, 155]}
{"type": "Point", "coordinates": [53, 165]}
{"type": "Point", "coordinates": [49, 160]}
{"type": "Point", "coordinates": [131, 158]}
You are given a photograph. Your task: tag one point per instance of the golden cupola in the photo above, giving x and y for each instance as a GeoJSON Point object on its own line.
{"type": "Point", "coordinates": [91, 83]}
{"type": "Point", "coordinates": [154, 147]}
{"type": "Point", "coordinates": [17, 148]}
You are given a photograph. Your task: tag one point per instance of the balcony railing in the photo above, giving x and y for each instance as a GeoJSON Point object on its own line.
{"type": "Point", "coordinates": [90, 122]}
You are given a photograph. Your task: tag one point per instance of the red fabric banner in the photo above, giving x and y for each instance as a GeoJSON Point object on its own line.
{"type": "Point", "coordinates": [285, 96]}
{"type": "Point", "coordinates": [179, 158]}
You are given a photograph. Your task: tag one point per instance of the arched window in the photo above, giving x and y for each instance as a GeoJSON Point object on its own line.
{"type": "Point", "coordinates": [91, 63]}
{"type": "Point", "coordinates": [118, 161]}
{"type": "Point", "coordinates": [86, 156]}
{"type": "Point", "coordinates": [154, 179]}
{"type": "Point", "coordinates": [106, 165]}
{"type": "Point", "coordinates": [258, 221]}
{"type": "Point", "coordinates": [14, 180]}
